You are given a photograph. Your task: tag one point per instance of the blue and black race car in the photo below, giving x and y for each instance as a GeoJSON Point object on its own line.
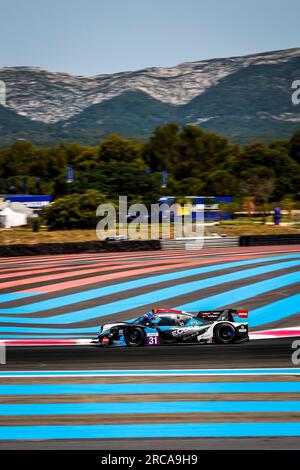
{"type": "Point", "coordinates": [167, 326]}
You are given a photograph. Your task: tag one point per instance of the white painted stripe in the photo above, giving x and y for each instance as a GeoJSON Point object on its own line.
{"type": "Point", "coordinates": [152, 373]}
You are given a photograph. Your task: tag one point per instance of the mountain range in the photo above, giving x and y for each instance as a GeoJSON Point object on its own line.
{"type": "Point", "coordinates": [245, 98]}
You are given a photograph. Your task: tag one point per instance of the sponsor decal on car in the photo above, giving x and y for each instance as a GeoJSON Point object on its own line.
{"type": "Point", "coordinates": [242, 329]}
{"type": "Point", "coordinates": [182, 331]}
{"type": "Point", "coordinates": [243, 313]}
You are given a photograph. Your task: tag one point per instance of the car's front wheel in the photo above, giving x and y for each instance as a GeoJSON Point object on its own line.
{"type": "Point", "coordinates": [224, 333]}
{"type": "Point", "coordinates": [134, 337]}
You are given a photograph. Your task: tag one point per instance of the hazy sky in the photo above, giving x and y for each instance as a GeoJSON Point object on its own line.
{"type": "Point", "coordinates": [88, 37]}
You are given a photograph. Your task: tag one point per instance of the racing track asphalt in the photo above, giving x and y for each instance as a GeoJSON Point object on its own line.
{"type": "Point", "coordinates": [255, 353]}
{"type": "Point", "coordinates": [271, 443]}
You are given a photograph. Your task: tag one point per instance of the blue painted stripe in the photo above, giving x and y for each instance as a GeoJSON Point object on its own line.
{"type": "Point", "coordinates": [161, 294]}
{"type": "Point", "coordinates": [178, 407]}
{"type": "Point", "coordinates": [275, 311]}
{"type": "Point", "coordinates": [14, 296]}
{"type": "Point", "coordinates": [150, 431]}
{"type": "Point", "coordinates": [242, 293]}
{"type": "Point", "coordinates": [121, 388]}
{"type": "Point", "coordinates": [266, 314]}
{"type": "Point", "coordinates": [149, 372]}
{"type": "Point", "coordinates": [124, 286]}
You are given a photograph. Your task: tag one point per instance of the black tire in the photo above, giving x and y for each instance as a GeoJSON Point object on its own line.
{"type": "Point", "coordinates": [224, 333]}
{"type": "Point", "coordinates": [134, 337]}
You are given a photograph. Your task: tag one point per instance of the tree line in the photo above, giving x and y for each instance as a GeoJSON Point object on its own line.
{"type": "Point", "coordinates": [197, 162]}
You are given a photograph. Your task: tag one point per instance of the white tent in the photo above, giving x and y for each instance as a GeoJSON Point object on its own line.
{"type": "Point", "coordinates": [10, 218]}
{"type": "Point", "coordinates": [19, 207]}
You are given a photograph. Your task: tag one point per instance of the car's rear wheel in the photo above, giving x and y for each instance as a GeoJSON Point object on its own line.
{"type": "Point", "coordinates": [224, 333]}
{"type": "Point", "coordinates": [134, 337]}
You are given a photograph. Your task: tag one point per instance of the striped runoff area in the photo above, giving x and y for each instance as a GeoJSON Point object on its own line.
{"type": "Point", "coordinates": [68, 296]}
{"type": "Point", "coordinates": [117, 405]}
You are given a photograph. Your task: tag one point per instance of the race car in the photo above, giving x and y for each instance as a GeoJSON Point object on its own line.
{"type": "Point", "coordinates": [167, 326]}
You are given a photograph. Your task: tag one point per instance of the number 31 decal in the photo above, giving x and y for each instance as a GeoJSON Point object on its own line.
{"type": "Point", "coordinates": [153, 340]}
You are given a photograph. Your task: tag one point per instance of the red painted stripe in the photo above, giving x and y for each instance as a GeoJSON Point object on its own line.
{"type": "Point", "coordinates": [80, 272]}
{"type": "Point", "coordinates": [10, 272]}
{"type": "Point", "coordinates": [104, 255]}
{"type": "Point", "coordinates": [118, 275]}
{"type": "Point", "coordinates": [66, 256]}
{"type": "Point", "coordinates": [40, 264]}
{"type": "Point", "coordinates": [95, 256]}
{"type": "Point", "coordinates": [139, 254]}
{"type": "Point", "coordinates": [40, 342]}
{"type": "Point", "coordinates": [106, 277]}
{"type": "Point", "coordinates": [278, 333]}
{"type": "Point", "coordinates": [152, 254]}
{"type": "Point", "coordinates": [76, 268]}
{"type": "Point", "coordinates": [77, 257]}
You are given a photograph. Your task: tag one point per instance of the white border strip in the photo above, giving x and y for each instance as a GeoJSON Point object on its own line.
{"type": "Point", "coordinates": [151, 373]}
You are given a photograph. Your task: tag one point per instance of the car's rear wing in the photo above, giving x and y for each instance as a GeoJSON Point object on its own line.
{"type": "Point", "coordinates": [210, 315]}
{"type": "Point", "coordinates": [226, 314]}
